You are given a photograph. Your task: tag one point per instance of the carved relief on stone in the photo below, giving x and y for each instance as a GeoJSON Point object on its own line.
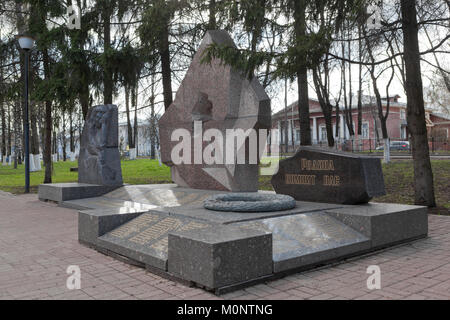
{"type": "Point", "coordinates": [99, 159]}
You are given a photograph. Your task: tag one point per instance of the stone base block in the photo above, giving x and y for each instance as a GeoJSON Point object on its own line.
{"type": "Point", "coordinates": [71, 191]}
{"type": "Point", "coordinates": [95, 223]}
{"type": "Point", "coordinates": [220, 256]}
{"type": "Point", "coordinates": [166, 230]}
{"type": "Point", "coordinates": [385, 223]}
{"type": "Point", "coordinates": [308, 239]}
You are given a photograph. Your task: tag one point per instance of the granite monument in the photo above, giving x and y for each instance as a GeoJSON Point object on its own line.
{"type": "Point", "coordinates": [219, 97]}
{"type": "Point", "coordinates": [99, 160]}
{"type": "Point", "coordinates": [170, 229]}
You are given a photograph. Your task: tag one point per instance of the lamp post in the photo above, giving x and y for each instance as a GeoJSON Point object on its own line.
{"type": "Point", "coordinates": [27, 44]}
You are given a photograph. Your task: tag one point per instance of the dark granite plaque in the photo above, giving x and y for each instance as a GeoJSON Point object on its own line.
{"type": "Point", "coordinates": [315, 174]}
{"type": "Point", "coordinates": [145, 238]}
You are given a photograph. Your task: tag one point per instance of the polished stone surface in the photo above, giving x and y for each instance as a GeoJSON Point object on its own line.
{"type": "Point", "coordinates": [99, 159]}
{"type": "Point", "coordinates": [220, 98]}
{"type": "Point", "coordinates": [93, 224]}
{"type": "Point", "coordinates": [312, 234]}
{"type": "Point", "coordinates": [196, 211]}
{"type": "Point", "coordinates": [103, 203]}
{"type": "Point", "coordinates": [145, 238]}
{"type": "Point", "coordinates": [220, 256]}
{"type": "Point", "coordinates": [304, 239]}
{"type": "Point", "coordinates": [385, 223]}
{"type": "Point", "coordinates": [317, 174]}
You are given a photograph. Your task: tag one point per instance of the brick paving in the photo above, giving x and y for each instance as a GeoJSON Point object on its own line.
{"type": "Point", "coordinates": [38, 241]}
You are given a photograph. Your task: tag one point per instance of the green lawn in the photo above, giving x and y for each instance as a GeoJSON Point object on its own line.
{"type": "Point", "coordinates": [141, 171]}
{"type": "Point", "coordinates": [399, 180]}
{"type": "Point", "coordinates": [398, 177]}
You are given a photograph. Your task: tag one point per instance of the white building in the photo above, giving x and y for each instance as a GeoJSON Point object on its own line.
{"type": "Point", "coordinates": [143, 143]}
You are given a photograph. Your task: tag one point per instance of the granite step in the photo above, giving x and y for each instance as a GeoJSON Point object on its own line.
{"type": "Point", "coordinates": [308, 239]}
{"type": "Point", "coordinates": [145, 238]}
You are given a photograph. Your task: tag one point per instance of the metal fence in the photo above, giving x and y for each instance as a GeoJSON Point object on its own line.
{"type": "Point", "coordinates": [401, 146]}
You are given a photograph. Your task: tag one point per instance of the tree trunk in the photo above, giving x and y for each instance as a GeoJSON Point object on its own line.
{"type": "Point", "coordinates": [55, 142]}
{"type": "Point", "coordinates": [3, 117]}
{"type": "Point", "coordinates": [63, 136]}
{"type": "Point", "coordinates": [212, 24]}
{"type": "Point", "coordinates": [8, 148]}
{"type": "Point", "coordinates": [165, 66]}
{"type": "Point", "coordinates": [48, 124]}
{"type": "Point", "coordinates": [338, 121]}
{"type": "Point", "coordinates": [348, 112]}
{"type": "Point", "coordinates": [360, 84]}
{"type": "Point", "coordinates": [34, 141]}
{"type": "Point", "coordinates": [127, 111]}
{"type": "Point", "coordinates": [17, 132]}
{"type": "Point", "coordinates": [329, 127]}
{"type": "Point", "coordinates": [134, 97]}
{"type": "Point", "coordinates": [34, 132]}
{"type": "Point", "coordinates": [107, 72]}
{"type": "Point", "coordinates": [82, 67]}
{"type": "Point", "coordinates": [84, 100]}
{"type": "Point", "coordinates": [324, 102]}
{"type": "Point", "coordinates": [286, 121]}
{"type": "Point", "coordinates": [72, 142]}
{"type": "Point", "coordinates": [302, 76]}
{"type": "Point", "coordinates": [423, 174]}
{"type": "Point", "coordinates": [153, 132]}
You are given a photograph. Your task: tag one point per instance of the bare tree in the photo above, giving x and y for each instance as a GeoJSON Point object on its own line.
{"type": "Point", "coordinates": [423, 174]}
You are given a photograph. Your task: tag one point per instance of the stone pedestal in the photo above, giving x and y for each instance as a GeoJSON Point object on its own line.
{"type": "Point", "coordinates": [166, 229]}
{"type": "Point", "coordinates": [60, 192]}
{"type": "Point", "coordinates": [220, 256]}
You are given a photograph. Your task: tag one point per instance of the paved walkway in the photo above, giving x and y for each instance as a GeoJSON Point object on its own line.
{"type": "Point", "coordinates": [38, 241]}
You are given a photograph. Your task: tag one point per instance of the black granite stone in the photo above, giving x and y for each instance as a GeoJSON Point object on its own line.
{"type": "Point", "coordinates": [60, 192]}
{"type": "Point", "coordinates": [385, 223]}
{"type": "Point", "coordinates": [99, 160]}
{"type": "Point", "coordinates": [315, 174]}
{"type": "Point", "coordinates": [220, 256]}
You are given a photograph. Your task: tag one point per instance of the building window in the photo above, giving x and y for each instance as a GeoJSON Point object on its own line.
{"type": "Point", "coordinates": [402, 115]}
{"type": "Point", "coordinates": [365, 130]}
{"type": "Point", "coordinates": [323, 133]}
{"type": "Point", "coordinates": [297, 135]}
{"type": "Point", "coordinates": [403, 133]}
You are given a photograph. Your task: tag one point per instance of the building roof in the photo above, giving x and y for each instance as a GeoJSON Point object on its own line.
{"type": "Point", "coordinates": [441, 115]}
{"type": "Point", "coordinates": [365, 99]}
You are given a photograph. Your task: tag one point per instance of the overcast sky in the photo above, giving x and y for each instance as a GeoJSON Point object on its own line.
{"type": "Point", "coordinates": [278, 96]}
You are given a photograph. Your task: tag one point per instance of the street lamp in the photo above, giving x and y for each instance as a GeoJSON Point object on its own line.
{"type": "Point", "coordinates": [27, 44]}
